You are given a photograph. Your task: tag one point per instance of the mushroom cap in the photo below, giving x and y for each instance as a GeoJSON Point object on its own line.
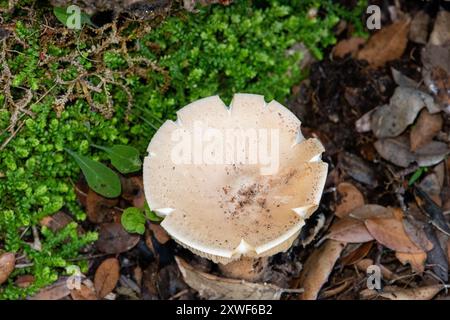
{"type": "Point", "coordinates": [232, 182]}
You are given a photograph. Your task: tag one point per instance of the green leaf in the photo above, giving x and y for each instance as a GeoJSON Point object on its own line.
{"type": "Point", "coordinates": [99, 177]}
{"type": "Point", "coordinates": [150, 214]}
{"type": "Point", "coordinates": [133, 220]}
{"type": "Point", "coordinates": [64, 13]}
{"type": "Point", "coordinates": [124, 158]}
{"type": "Point", "coordinates": [416, 175]}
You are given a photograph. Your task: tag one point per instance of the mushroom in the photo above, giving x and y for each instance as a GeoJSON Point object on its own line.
{"type": "Point", "coordinates": [234, 183]}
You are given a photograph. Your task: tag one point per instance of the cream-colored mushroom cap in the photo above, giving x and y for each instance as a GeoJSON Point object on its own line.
{"type": "Point", "coordinates": [234, 181]}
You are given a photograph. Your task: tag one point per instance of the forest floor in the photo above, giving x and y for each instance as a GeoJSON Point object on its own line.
{"type": "Point", "coordinates": [381, 107]}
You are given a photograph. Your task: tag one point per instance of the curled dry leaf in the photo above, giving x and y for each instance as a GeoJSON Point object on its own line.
{"type": "Point", "coordinates": [370, 211]}
{"type": "Point", "coordinates": [113, 239]}
{"type": "Point", "coordinates": [56, 291]}
{"type": "Point", "coordinates": [391, 234]}
{"type": "Point", "coordinates": [385, 272]}
{"type": "Point", "coordinates": [133, 191]}
{"type": "Point", "coordinates": [392, 119]}
{"type": "Point", "coordinates": [357, 168]}
{"type": "Point", "coordinates": [348, 46]}
{"type": "Point", "coordinates": [415, 231]}
{"type": "Point", "coordinates": [106, 277]}
{"type": "Point", "coordinates": [318, 267]}
{"type": "Point", "coordinates": [349, 230]}
{"type": "Point", "coordinates": [397, 293]}
{"type": "Point", "coordinates": [431, 210]}
{"type": "Point", "coordinates": [357, 254]}
{"type": "Point", "coordinates": [213, 287]}
{"type": "Point", "coordinates": [427, 127]}
{"type": "Point", "coordinates": [437, 257]}
{"type": "Point", "coordinates": [415, 260]}
{"type": "Point", "coordinates": [351, 198]}
{"type": "Point", "coordinates": [387, 44]}
{"type": "Point", "coordinates": [7, 265]}
{"type": "Point", "coordinates": [397, 151]}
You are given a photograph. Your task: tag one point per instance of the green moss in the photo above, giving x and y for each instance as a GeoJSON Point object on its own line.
{"type": "Point", "coordinates": [220, 50]}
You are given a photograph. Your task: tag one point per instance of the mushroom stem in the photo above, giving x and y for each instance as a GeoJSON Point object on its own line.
{"type": "Point", "coordinates": [249, 269]}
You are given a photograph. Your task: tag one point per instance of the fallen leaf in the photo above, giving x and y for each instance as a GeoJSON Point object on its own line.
{"type": "Point", "coordinates": [431, 210]}
{"type": "Point", "coordinates": [336, 290]}
{"type": "Point", "coordinates": [415, 260]}
{"type": "Point", "coordinates": [318, 267]}
{"type": "Point", "coordinates": [426, 128]}
{"type": "Point", "coordinates": [391, 234]}
{"type": "Point", "coordinates": [7, 265]}
{"type": "Point", "coordinates": [431, 185]}
{"type": "Point", "coordinates": [357, 168]}
{"type": "Point", "coordinates": [159, 233]}
{"type": "Point", "coordinates": [418, 31]}
{"type": "Point", "coordinates": [441, 29]}
{"type": "Point", "coordinates": [100, 209]}
{"type": "Point", "coordinates": [415, 231]}
{"type": "Point", "coordinates": [363, 124]}
{"type": "Point", "coordinates": [114, 239]}
{"type": "Point", "coordinates": [349, 230]}
{"type": "Point", "coordinates": [364, 264]}
{"type": "Point", "coordinates": [215, 288]}
{"type": "Point", "coordinates": [397, 151]}
{"type": "Point", "coordinates": [386, 45]}
{"type": "Point", "coordinates": [348, 46]}
{"type": "Point", "coordinates": [106, 277]}
{"type": "Point", "coordinates": [133, 190]}
{"type": "Point", "coordinates": [437, 258]}
{"type": "Point", "coordinates": [351, 198]}
{"type": "Point", "coordinates": [392, 119]}
{"type": "Point", "coordinates": [369, 211]}
{"type": "Point", "coordinates": [402, 80]}
{"type": "Point", "coordinates": [56, 221]}
{"type": "Point", "coordinates": [83, 293]}
{"type": "Point", "coordinates": [24, 281]}
{"type": "Point", "coordinates": [357, 254]}
{"type": "Point", "coordinates": [56, 291]}
{"type": "Point", "coordinates": [397, 293]}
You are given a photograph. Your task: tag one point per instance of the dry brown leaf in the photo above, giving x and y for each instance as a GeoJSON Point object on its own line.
{"type": "Point", "coordinates": [318, 267]}
{"type": "Point", "coordinates": [159, 233]}
{"type": "Point", "coordinates": [357, 254]}
{"type": "Point", "coordinates": [133, 190]}
{"type": "Point", "coordinates": [346, 46]}
{"type": "Point", "coordinates": [56, 221]}
{"type": "Point", "coordinates": [370, 211]}
{"type": "Point", "coordinates": [441, 29]}
{"type": "Point", "coordinates": [100, 209]}
{"type": "Point", "coordinates": [7, 265]}
{"type": "Point", "coordinates": [24, 281]}
{"type": "Point", "coordinates": [427, 127]}
{"type": "Point", "coordinates": [351, 199]}
{"type": "Point", "coordinates": [418, 32]}
{"type": "Point", "coordinates": [385, 272]}
{"type": "Point", "coordinates": [336, 290]}
{"type": "Point", "coordinates": [84, 293]}
{"type": "Point", "coordinates": [113, 239]}
{"type": "Point", "coordinates": [349, 230]}
{"type": "Point", "coordinates": [212, 287]}
{"type": "Point", "coordinates": [387, 44]}
{"type": "Point", "coordinates": [397, 151]}
{"type": "Point", "coordinates": [391, 234]}
{"type": "Point", "coordinates": [56, 291]}
{"type": "Point", "coordinates": [414, 230]}
{"type": "Point", "coordinates": [432, 187]}
{"type": "Point", "coordinates": [415, 260]}
{"type": "Point", "coordinates": [397, 293]}
{"type": "Point", "coordinates": [106, 277]}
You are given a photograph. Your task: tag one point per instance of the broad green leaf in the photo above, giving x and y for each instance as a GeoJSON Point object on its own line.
{"type": "Point", "coordinates": [67, 16]}
{"type": "Point", "coordinates": [124, 158]}
{"type": "Point", "coordinates": [99, 177]}
{"type": "Point", "coordinates": [133, 220]}
{"type": "Point", "coordinates": [151, 215]}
